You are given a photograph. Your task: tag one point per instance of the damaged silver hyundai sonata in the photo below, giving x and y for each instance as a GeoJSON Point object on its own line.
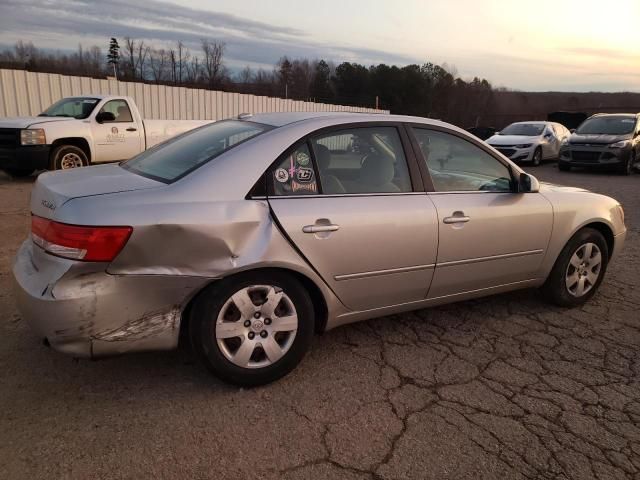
{"type": "Point", "coordinates": [249, 235]}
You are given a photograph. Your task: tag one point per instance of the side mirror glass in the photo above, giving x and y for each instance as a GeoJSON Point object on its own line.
{"type": "Point", "coordinates": [102, 117]}
{"type": "Point", "coordinates": [528, 183]}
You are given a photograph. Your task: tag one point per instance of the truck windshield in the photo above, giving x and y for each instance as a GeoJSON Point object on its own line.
{"type": "Point", "coordinates": [608, 126]}
{"type": "Point", "coordinates": [75, 107]}
{"type": "Point", "coordinates": [175, 158]}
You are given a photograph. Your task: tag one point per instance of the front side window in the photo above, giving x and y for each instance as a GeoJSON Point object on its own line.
{"type": "Point", "coordinates": [457, 165]}
{"type": "Point", "coordinates": [293, 173]}
{"type": "Point", "coordinates": [75, 107]}
{"type": "Point", "coordinates": [180, 155]}
{"type": "Point", "coordinates": [120, 111]}
{"type": "Point", "coordinates": [361, 160]}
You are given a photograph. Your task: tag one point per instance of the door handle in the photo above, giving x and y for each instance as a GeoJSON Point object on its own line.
{"type": "Point", "coordinates": [131, 129]}
{"type": "Point", "coordinates": [320, 228]}
{"type": "Point", "coordinates": [457, 217]}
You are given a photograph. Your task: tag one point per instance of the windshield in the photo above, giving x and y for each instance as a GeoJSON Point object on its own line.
{"type": "Point", "coordinates": [177, 157]}
{"type": "Point", "coordinates": [76, 107]}
{"type": "Point", "coordinates": [525, 129]}
{"type": "Point", "coordinates": [607, 126]}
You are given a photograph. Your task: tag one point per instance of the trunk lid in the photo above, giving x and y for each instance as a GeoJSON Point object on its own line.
{"type": "Point", "coordinates": [54, 189]}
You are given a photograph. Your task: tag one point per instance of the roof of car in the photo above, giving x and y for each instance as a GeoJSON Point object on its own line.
{"type": "Point", "coordinates": [284, 118]}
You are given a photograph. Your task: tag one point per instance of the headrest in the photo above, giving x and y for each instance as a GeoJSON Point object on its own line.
{"type": "Point", "coordinates": [377, 170]}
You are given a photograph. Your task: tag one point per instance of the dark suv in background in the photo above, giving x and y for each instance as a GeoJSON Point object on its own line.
{"type": "Point", "coordinates": [604, 140]}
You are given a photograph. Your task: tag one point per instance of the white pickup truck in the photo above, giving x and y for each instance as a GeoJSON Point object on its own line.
{"type": "Point", "coordinates": [79, 131]}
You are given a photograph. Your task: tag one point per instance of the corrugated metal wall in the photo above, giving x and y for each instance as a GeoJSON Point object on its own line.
{"type": "Point", "coordinates": [29, 93]}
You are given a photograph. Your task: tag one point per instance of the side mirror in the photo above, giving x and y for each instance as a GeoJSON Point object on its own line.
{"type": "Point", "coordinates": [573, 130]}
{"type": "Point", "coordinates": [102, 117]}
{"type": "Point", "coordinates": [528, 183]}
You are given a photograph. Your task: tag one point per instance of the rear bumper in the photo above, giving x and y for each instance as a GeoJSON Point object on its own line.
{"type": "Point", "coordinates": [34, 157]}
{"type": "Point", "coordinates": [84, 311]}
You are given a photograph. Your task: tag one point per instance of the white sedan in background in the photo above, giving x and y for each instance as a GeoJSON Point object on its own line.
{"type": "Point", "coordinates": [530, 141]}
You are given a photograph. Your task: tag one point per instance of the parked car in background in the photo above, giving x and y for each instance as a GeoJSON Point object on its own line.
{"type": "Point", "coordinates": [530, 141]}
{"type": "Point", "coordinates": [252, 234]}
{"type": "Point", "coordinates": [604, 141]}
{"type": "Point", "coordinates": [80, 131]}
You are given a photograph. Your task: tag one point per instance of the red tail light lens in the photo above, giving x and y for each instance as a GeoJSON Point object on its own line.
{"type": "Point", "coordinates": [91, 244]}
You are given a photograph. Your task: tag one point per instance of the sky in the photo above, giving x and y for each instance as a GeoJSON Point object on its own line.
{"type": "Point", "coordinates": [532, 45]}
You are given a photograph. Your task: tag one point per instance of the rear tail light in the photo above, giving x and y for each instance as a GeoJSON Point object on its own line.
{"type": "Point", "coordinates": [91, 244]}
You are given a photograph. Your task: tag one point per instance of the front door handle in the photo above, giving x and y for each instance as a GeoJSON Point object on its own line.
{"type": "Point", "coordinates": [320, 228]}
{"type": "Point", "coordinates": [131, 129]}
{"type": "Point", "coordinates": [457, 217]}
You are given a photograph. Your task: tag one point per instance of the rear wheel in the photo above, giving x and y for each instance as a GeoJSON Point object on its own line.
{"type": "Point", "coordinates": [579, 269]}
{"type": "Point", "coordinates": [66, 157]}
{"type": "Point", "coordinates": [253, 328]}
{"type": "Point", "coordinates": [19, 172]}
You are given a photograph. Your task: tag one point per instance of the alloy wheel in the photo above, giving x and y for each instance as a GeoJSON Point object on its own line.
{"type": "Point", "coordinates": [256, 327]}
{"type": "Point", "coordinates": [583, 271]}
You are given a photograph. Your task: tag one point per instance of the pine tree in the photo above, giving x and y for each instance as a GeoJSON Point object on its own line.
{"type": "Point", "coordinates": [113, 57]}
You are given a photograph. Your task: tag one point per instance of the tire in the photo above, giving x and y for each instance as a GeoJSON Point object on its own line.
{"type": "Point", "coordinates": [537, 157]}
{"type": "Point", "coordinates": [224, 354]}
{"type": "Point", "coordinates": [564, 167]}
{"type": "Point", "coordinates": [559, 287]}
{"type": "Point", "coordinates": [66, 157]}
{"type": "Point", "coordinates": [19, 172]}
{"type": "Point", "coordinates": [627, 167]}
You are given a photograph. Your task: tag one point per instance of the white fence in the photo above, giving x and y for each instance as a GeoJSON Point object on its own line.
{"type": "Point", "coordinates": [29, 93]}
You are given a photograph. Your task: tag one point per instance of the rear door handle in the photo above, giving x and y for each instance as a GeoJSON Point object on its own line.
{"type": "Point", "coordinates": [131, 129]}
{"type": "Point", "coordinates": [457, 217]}
{"type": "Point", "coordinates": [320, 228]}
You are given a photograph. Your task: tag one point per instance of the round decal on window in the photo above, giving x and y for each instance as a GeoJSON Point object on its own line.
{"type": "Point", "coordinates": [302, 158]}
{"type": "Point", "coordinates": [282, 175]}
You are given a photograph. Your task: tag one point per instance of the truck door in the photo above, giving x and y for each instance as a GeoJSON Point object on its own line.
{"type": "Point", "coordinates": [118, 139]}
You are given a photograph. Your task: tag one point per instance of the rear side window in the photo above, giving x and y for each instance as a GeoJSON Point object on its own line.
{"type": "Point", "coordinates": [175, 158]}
{"type": "Point", "coordinates": [361, 160]}
{"type": "Point", "coordinates": [456, 165]}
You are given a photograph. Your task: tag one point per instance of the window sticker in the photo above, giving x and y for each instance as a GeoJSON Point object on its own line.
{"type": "Point", "coordinates": [282, 175]}
{"type": "Point", "coordinates": [303, 159]}
{"type": "Point", "coordinates": [304, 175]}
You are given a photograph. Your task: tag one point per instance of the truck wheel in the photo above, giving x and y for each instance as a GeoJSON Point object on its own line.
{"type": "Point", "coordinates": [65, 157]}
{"type": "Point", "coordinates": [19, 172]}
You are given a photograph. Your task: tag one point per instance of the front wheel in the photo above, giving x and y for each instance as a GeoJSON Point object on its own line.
{"type": "Point", "coordinates": [66, 157]}
{"type": "Point", "coordinates": [253, 328]}
{"type": "Point", "coordinates": [537, 157]}
{"type": "Point", "coordinates": [579, 269]}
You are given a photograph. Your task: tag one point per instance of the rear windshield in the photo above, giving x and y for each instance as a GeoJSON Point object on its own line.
{"type": "Point", "coordinates": [525, 129]}
{"type": "Point", "coordinates": [175, 158]}
{"type": "Point", "coordinates": [608, 126]}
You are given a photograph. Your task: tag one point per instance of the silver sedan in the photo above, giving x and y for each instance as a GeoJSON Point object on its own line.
{"type": "Point", "coordinates": [247, 236]}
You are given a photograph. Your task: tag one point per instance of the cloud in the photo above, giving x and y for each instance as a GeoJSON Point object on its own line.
{"type": "Point", "coordinates": [247, 41]}
{"type": "Point", "coordinates": [603, 53]}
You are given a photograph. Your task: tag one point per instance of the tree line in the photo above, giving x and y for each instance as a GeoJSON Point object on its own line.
{"type": "Point", "coordinates": [429, 90]}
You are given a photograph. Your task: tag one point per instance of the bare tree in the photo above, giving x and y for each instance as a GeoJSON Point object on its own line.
{"type": "Point", "coordinates": [173, 65]}
{"type": "Point", "coordinates": [142, 53]}
{"type": "Point", "coordinates": [213, 68]}
{"type": "Point", "coordinates": [159, 64]}
{"type": "Point", "coordinates": [130, 56]}
{"type": "Point", "coordinates": [183, 55]}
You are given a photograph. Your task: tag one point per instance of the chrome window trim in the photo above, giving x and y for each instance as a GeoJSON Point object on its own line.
{"type": "Point", "coordinates": [483, 192]}
{"type": "Point", "coordinates": [340, 195]}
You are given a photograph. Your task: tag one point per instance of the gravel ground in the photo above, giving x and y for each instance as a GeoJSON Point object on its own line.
{"type": "Point", "coordinates": [503, 387]}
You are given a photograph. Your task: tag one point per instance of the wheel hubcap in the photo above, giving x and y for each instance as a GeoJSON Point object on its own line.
{"type": "Point", "coordinates": [70, 160]}
{"type": "Point", "coordinates": [256, 326]}
{"type": "Point", "coordinates": [584, 269]}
